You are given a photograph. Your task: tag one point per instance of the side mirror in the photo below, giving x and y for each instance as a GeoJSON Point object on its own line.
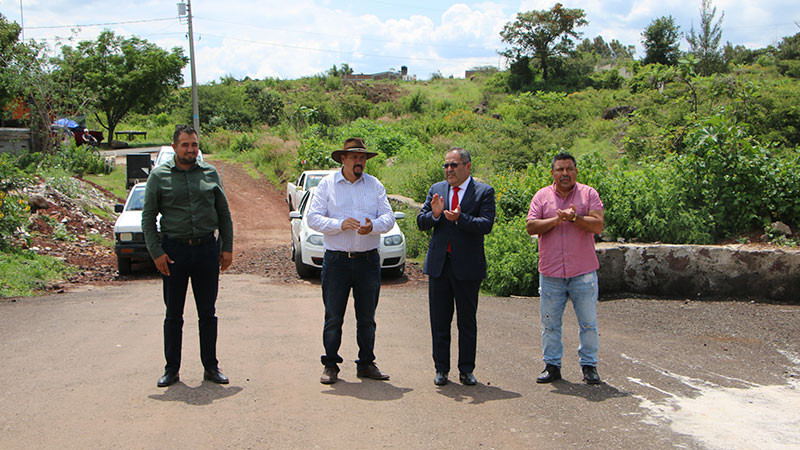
{"type": "Point", "coordinates": [399, 215]}
{"type": "Point", "coordinates": [118, 208]}
{"type": "Point", "coordinates": [295, 215]}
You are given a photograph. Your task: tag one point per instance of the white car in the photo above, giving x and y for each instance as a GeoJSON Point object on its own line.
{"type": "Point", "coordinates": [307, 249]}
{"type": "Point", "coordinates": [307, 180]}
{"type": "Point", "coordinates": [129, 242]}
{"type": "Point", "coordinates": [166, 153]}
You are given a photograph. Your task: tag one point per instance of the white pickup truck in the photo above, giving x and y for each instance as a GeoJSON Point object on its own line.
{"type": "Point", "coordinates": [306, 181]}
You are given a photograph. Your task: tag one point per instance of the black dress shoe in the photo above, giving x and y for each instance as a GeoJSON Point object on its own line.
{"type": "Point", "coordinates": [467, 379]}
{"type": "Point", "coordinates": [590, 375]}
{"type": "Point", "coordinates": [168, 379]}
{"type": "Point", "coordinates": [549, 374]}
{"type": "Point", "coordinates": [215, 376]}
{"type": "Point", "coordinates": [371, 371]}
{"type": "Point", "coordinates": [329, 375]}
{"type": "Point", "coordinates": [440, 379]}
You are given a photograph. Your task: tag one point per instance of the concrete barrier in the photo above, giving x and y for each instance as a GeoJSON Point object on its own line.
{"type": "Point", "coordinates": [697, 271]}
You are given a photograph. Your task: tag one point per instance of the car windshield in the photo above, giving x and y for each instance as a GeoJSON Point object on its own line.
{"type": "Point", "coordinates": [167, 154]}
{"type": "Point", "coordinates": [313, 180]}
{"type": "Point", "coordinates": [135, 201]}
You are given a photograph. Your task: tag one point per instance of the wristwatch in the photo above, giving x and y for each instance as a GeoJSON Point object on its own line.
{"type": "Point", "coordinates": [574, 217]}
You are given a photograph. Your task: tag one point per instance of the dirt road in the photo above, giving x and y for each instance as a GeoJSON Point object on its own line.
{"type": "Point", "coordinates": [80, 369]}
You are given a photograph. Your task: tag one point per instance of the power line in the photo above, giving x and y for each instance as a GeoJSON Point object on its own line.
{"type": "Point", "coordinates": [101, 24]}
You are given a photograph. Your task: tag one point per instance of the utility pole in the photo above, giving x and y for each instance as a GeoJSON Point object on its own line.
{"type": "Point", "coordinates": [22, 20]}
{"type": "Point", "coordinates": [186, 10]}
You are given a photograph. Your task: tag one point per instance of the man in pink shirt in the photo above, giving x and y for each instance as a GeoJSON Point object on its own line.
{"type": "Point", "coordinates": [566, 215]}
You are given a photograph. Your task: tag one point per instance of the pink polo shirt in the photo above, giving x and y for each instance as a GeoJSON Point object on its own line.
{"type": "Point", "coordinates": [565, 251]}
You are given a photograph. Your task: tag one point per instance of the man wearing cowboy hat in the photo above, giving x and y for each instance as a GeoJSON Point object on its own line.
{"type": "Point", "coordinates": [351, 210]}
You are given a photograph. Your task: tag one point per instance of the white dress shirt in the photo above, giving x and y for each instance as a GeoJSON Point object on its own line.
{"type": "Point", "coordinates": [336, 199]}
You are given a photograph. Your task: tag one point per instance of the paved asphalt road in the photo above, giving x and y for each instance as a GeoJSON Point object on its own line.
{"type": "Point", "coordinates": [80, 371]}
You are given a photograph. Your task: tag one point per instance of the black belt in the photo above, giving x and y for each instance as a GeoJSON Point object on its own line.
{"type": "Point", "coordinates": [193, 241]}
{"type": "Point", "coordinates": [355, 254]}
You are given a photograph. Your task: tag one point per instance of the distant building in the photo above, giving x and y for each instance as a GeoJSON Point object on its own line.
{"type": "Point", "coordinates": [388, 75]}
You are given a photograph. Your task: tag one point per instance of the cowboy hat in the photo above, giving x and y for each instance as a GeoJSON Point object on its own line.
{"type": "Point", "coordinates": [352, 145]}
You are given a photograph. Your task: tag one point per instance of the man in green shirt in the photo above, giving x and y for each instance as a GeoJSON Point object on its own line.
{"type": "Point", "coordinates": [188, 194]}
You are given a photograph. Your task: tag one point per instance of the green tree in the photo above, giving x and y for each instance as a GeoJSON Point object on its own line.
{"type": "Point", "coordinates": [122, 75]}
{"type": "Point", "coordinates": [27, 74]}
{"type": "Point", "coordinates": [704, 45]}
{"type": "Point", "coordinates": [660, 40]}
{"type": "Point", "coordinates": [788, 56]}
{"type": "Point", "coordinates": [9, 43]}
{"type": "Point", "coordinates": [543, 34]}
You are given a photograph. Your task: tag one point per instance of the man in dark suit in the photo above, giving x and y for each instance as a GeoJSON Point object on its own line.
{"type": "Point", "coordinates": [461, 211]}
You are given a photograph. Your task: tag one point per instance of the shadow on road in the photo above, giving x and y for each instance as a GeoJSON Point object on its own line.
{"type": "Point", "coordinates": [475, 395]}
{"type": "Point", "coordinates": [205, 394]}
{"type": "Point", "coordinates": [368, 390]}
{"type": "Point", "coordinates": [596, 393]}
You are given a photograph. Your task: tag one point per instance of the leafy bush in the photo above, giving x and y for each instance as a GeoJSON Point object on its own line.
{"type": "Point", "coordinates": [76, 160]}
{"type": "Point", "coordinates": [551, 109]}
{"type": "Point", "coordinates": [512, 260]}
{"type": "Point", "coordinates": [726, 173]}
{"type": "Point", "coordinates": [14, 212]}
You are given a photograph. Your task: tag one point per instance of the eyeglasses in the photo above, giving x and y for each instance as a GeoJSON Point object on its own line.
{"type": "Point", "coordinates": [451, 165]}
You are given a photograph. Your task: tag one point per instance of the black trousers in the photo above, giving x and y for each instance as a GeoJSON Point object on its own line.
{"type": "Point", "coordinates": [201, 264]}
{"type": "Point", "coordinates": [446, 293]}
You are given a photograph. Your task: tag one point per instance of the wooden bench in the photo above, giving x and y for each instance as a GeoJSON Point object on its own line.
{"type": "Point", "coordinates": [130, 134]}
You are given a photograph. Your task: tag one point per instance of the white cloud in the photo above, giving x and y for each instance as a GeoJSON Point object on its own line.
{"type": "Point", "coordinates": [304, 37]}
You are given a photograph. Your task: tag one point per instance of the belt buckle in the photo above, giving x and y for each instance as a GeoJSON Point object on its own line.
{"type": "Point", "coordinates": [351, 255]}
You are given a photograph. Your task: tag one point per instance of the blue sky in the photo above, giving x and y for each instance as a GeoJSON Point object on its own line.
{"type": "Point", "coordinates": [290, 39]}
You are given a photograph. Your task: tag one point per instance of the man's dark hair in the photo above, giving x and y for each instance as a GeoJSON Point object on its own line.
{"type": "Point", "coordinates": [187, 129]}
{"type": "Point", "coordinates": [562, 156]}
{"type": "Point", "coordinates": [462, 153]}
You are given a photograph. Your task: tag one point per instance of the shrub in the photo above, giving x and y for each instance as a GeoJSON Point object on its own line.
{"type": "Point", "coordinates": [725, 172]}
{"type": "Point", "coordinates": [14, 212]}
{"type": "Point", "coordinates": [512, 260]}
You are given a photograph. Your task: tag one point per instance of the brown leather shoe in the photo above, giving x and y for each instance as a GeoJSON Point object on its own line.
{"type": "Point", "coordinates": [329, 375]}
{"type": "Point", "coordinates": [371, 371]}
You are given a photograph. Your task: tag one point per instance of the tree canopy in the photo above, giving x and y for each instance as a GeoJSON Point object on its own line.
{"type": "Point", "coordinates": [543, 34]}
{"type": "Point", "coordinates": [660, 40]}
{"type": "Point", "coordinates": [122, 75]}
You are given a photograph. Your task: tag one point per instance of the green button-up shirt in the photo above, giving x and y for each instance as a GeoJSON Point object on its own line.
{"type": "Point", "coordinates": [191, 202]}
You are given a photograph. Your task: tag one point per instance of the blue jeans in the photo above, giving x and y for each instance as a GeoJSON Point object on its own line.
{"type": "Point", "coordinates": [340, 274]}
{"type": "Point", "coordinates": [553, 292]}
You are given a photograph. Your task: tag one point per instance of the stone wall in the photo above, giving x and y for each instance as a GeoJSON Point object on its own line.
{"type": "Point", "coordinates": [15, 140]}
{"type": "Point", "coordinates": [696, 271]}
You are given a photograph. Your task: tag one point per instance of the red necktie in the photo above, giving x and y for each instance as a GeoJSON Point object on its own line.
{"type": "Point", "coordinates": [453, 205]}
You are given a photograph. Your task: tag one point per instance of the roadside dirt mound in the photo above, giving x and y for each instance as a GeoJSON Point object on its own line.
{"type": "Point", "coordinates": [66, 229]}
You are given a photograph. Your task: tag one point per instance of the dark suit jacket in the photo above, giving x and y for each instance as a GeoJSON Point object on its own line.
{"type": "Point", "coordinates": [466, 237]}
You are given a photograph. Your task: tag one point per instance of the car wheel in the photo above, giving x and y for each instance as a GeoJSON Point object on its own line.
{"type": "Point", "coordinates": [396, 272]}
{"type": "Point", "coordinates": [123, 265]}
{"type": "Point", "coordinates": [303, 270]}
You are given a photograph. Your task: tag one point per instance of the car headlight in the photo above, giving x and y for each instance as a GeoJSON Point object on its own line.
{"type": "Point", "coordinates": [315, 239]}
{"type": "Point", "coordinates": [394, 239]}
{"type": "Point", "coordinates": [125, 237]}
